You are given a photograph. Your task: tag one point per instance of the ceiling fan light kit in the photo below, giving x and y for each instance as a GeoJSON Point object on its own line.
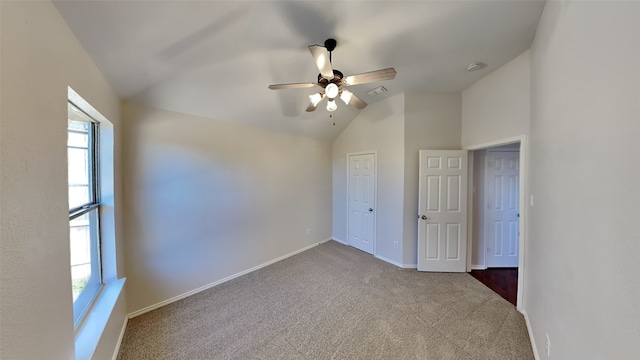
{"type": "Point", "coordinates": [346, 96]}
{"type": "Point", "coordinates": [331, 105]}
{"type": "Point", "coordinates": [332, 80]}
{"type": "Point", "coordinates": [316, 98]}
{"type": "Point", "coordinates": [331, 91]}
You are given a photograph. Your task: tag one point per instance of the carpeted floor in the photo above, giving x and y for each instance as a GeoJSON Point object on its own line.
{"type": "Point", "coordinates": [334, 302]}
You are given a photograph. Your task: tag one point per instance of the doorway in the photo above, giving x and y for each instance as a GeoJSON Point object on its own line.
{"type": "Point", "coordinates": [500, 211]}
{"type": "Point", "coordinates": [497, 216]}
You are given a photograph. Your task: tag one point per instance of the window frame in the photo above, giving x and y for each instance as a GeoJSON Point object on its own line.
{"type": "Point", "coordinates": [94, 150]}
{"type": "Point", "coordinates": [85, 299]}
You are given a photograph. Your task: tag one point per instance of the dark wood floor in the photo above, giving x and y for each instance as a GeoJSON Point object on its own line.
{"type": "Point", "coordinates": [504, 281]}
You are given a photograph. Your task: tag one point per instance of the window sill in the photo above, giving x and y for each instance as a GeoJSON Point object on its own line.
{"type": "Point", "coordinates": [90, 331]}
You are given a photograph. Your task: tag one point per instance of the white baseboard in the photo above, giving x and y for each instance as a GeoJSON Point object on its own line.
{"type": "Point", "coordinates": [404, 266]}
{"type": "Point", "coordinates": [340, 241]}
{"type": "Point", "coordinates": [124, 327]}
{"type": "Point", "coordinates": [231, 277]}
{"type": "Point", "coordinates": [478, 267]}
{"type": "Point", "coordinates": [530, 331]}
{"type": "Point", "coordinates": [388, 260]}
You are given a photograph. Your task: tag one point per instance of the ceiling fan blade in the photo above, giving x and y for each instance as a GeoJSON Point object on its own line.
{"type": "Point", "coordinates": [293, 86]}
{"type": "Point", "coordinates": [372, 76]}
{"type": "Point", "coordinates": [312, 107]}
{"type": "Point", "coordinates": [323, 61]}
{"type": "Point", "coordinates": [357, 102]}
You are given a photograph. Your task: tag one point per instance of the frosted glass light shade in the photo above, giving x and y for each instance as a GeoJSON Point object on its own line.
{"type": "Point", "coordinates": [331, 105]}
{"type": "Point", "coordinates": [316, 98]}
{"type": "Point", "coordinates": [346, 95]}
{"type": "Point", "coordinates": [331, 90]}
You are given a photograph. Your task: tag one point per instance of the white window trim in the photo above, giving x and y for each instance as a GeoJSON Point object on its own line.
{"type": "Point", "coordinates": [89, 332]}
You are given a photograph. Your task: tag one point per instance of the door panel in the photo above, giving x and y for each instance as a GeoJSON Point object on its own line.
{"type": "Point", "coordinates": [433, 190]}
{"type": "Point", "coordinates": [502, 208]}
{"type": "Point", "coordinates": [442, 211]}
{"type": "Point", "coordinates": [453, 241]}
{"type": "Point", "coordinates": [361, 202]}
{"type": "Point", "coordinates": [453, 193]}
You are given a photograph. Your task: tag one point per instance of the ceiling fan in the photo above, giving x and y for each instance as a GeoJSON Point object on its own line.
{"type": "Point", "coordinates": [333, 82]}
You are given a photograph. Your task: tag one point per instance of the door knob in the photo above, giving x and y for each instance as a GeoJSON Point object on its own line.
{"type": "Point", "coordinates": [370, 209]}
{"type": "Point", "coordinates": [424, 217]}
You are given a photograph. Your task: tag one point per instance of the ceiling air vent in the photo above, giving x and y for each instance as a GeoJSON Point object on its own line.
{"type": "Point", "coordinates": [476, 66]}
{"type": "Point", "coordinates": [377, 91]}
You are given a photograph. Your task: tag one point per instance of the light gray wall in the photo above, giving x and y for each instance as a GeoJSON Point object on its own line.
{"type": "Point", "coordinates": [40, 58]}
{"type": "Point", "coordinates": [493, 109]}
{"type": "Point", "coordinates": [498, 106]}
{"type": "Point", "coordinates": [583, 283]}
{"type": "Point", "coordinates": [207, 199]}
{"type": "Point", "coordinates": [432, 121]}
{"type": "Point", "coordinates": [379, 127]}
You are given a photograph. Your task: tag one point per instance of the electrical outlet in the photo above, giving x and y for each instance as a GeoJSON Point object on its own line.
{"type": "Point", "coordinates": [395, 244]}
{"type": "Point", "coordinates": [547, 344]}
{"type": "Point", "coordinates": [308, 231]}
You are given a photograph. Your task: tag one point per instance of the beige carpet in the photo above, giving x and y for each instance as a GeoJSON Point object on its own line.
{"type": "Point", "coordinates": [334, 302]}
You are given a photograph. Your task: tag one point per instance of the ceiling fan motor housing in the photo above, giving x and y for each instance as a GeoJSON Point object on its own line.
{"type": "Point", "coordinates": [337, 79]}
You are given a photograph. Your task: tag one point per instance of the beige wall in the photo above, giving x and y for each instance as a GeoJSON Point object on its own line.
{"type": "Point", "coordinates": [582, 276]}
{"type": "Point", "coordinates": [40, 59]}
{"type": "Point", "coordinates": [432, 122]}
{"type": "Point", "coordinates": [207, 199]}
{"type": "Point", "coordinates": [379, 127]}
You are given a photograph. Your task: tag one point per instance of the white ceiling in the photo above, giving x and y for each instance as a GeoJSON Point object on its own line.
{"type": "Point", "coordinates": [216, 58]}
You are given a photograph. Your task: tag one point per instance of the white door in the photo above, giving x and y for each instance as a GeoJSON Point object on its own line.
{"type": "Point", "coordinates": [362, 191]}
{"type": "Point", "coordinates": [442, 211]}
{"type": "Point", "coordinates": [502, 215]}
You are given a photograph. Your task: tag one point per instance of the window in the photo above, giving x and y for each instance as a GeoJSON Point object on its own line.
{"type": "Point", "coordinates": [84, 209]}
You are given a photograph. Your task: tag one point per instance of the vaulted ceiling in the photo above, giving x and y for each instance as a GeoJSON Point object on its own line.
{"type": "Point", "coordinates": [216, 58]}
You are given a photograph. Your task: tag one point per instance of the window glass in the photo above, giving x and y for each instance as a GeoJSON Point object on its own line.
{"type": "Point", "coordinates": [85, 273]}
{"type": "Point", "coordinates": [80, 153]}
{"type": "Point", "coordinates": [84, 210]}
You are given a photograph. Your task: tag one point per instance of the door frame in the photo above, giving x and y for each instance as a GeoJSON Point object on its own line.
{"type": "Point", "coordinates": [375, 195]}
{"type": "Point", "coordinates": [522, 139]}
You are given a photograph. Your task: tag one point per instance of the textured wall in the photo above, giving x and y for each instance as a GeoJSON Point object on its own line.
{"type": "Point", "coordinates": [40, 59]}
{"type": "Point", "coordinates": [582, 276]}
{"type": "Point", "coordinates": [207, 199]}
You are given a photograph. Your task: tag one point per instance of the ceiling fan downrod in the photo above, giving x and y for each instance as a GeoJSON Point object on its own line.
{"type": "Point", "coordinates": [330, 44]}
